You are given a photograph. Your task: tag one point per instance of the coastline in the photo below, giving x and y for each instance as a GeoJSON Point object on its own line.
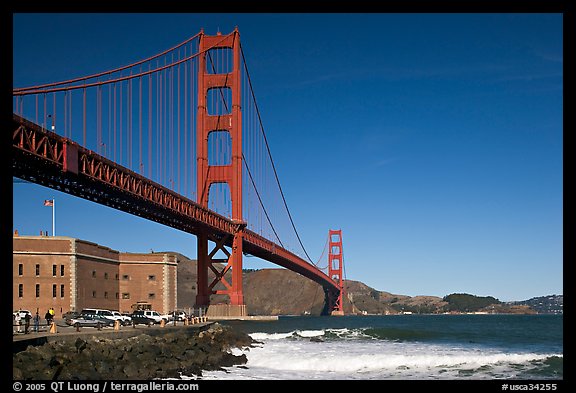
{"type": "Point", "coordinates": [142, 354]}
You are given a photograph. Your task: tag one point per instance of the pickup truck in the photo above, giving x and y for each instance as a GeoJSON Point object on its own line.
{"type": "Point", "coordinates": [156, 316]}
{"type": "Point", "coordinates": [124, 319]}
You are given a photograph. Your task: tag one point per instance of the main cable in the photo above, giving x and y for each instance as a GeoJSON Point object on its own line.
{"type": "Point", "coordinates": [270, 155]}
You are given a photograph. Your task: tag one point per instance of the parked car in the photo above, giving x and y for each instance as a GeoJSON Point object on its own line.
{"type": "Point", "coordinates": [155, 315]}
{"type": "Point", "coordinates": [70, 314]}
{"type": "Point", "coordinates": [22, 313]}
{"type": "Point", "coordinates": [140, 318]}
{"type": "Point", "coordinates": [124, 319]}
{"type": "Point", "coordinates": [178, 316]}
{"type": "Point", "coordinates": [99, 312]}
{"type": "Point", "coordinates": [89, 321]}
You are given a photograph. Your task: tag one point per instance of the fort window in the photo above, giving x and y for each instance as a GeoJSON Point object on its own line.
{"type": "Point", "coordinates": [62, 290]}
{"type": "Point", "coordinates": [105, 295]}
{"type": "Point", "coordinates": [117, 295]}
{"type": "Point", "coordinates": [37, 269]}
{"type": "Point", "coordinates": [62, 270]}
{"type": "Point", "coordinates": [37, 289]}
{"type": "Point", "coordinates": [93, 293]}
{"type": "Point", "coordinates": [152, 277]}
{"type": "Point", "coordinates": [54, 268]}
{"type": "Point", "coordinates": [20, 290]}
{"type": "Point", "coordinates": [126, 296]}
{"type": "Point", "coordinates": [106, 276]}
{"type": "Point", "coordinates": [94, 273]}
{"type": "Point", "coordinates": [151, 296]}
{"type": "Point", "coordinates": [20, 269]}
{"type": "Point", "coordinates": [54, 289]}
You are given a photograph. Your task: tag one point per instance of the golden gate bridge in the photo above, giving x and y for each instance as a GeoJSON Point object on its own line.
{"type": "Point", "coordinates": [176, 138]}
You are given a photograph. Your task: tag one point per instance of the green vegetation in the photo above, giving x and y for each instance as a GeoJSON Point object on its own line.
{"type": "Point", "coordinates": [416, 309]}
{"type": "Point", "coordinates": [464, 302]}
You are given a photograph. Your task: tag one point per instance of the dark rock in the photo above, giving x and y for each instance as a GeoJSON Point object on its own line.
{"type": "Point", "coordinates": [167, 355]}
{"type": "Point", "coordinates": [80, 345]}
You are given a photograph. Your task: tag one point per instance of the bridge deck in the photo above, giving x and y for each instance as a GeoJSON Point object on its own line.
{"type": "Point", "coordinates": [48, 159]}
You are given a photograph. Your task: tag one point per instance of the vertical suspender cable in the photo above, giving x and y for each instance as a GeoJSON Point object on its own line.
{"type": "Point", "coordinates": [140, 164]}
{"type": "Point", "coordinates": [84, 117]}
{"type": "Point", "coordinates": [149, 125]}
{"type": "Point", "coordinates": [185, 127]}
{"type": "Point", "coordinates": [44, 125]}
{"type": "Point", "coordinates": [160, 103]}
{"type": "Point", "coordinates": [65, 102]}
{"type": "Point", "coordinates": [111, 147]}
{"type": "Point", "coordinates": [178, 129]}
{"type": "Point", "coordinates": [114, 108]}
{"type": "Point", "coordinates": [53, 127]}
{"type": "Point", "coordinates": [121, 134]}
{"type": "Point", "coordinates": [129, 125]}
{"type": "Point", "coordinates": [70, 116]}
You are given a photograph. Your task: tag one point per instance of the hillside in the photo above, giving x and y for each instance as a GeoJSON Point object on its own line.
{"type": "Point", "coordinates": [283, 292]}
{"type": "Point", "coordinates": [551, 304]}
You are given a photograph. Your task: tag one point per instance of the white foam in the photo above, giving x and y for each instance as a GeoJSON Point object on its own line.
{"type": "Point", "coordinates": [310, 333]}
{"type": "Point", "coordinates": [270, 336]}
{"type": "Point", "coordinates": [352, 359]}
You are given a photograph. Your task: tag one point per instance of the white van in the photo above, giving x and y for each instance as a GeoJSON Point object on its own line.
{"type": "Point", "coordinates": [98, 312]}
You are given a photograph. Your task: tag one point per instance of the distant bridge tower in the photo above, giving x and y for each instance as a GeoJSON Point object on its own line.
{"type": "Point", "coordinates": [335, 263]}
{"type": "Point", "coordinates": [228, 119]}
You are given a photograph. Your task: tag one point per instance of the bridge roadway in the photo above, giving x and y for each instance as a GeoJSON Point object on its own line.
{"type": "Point", "coordinates": [48, 159]}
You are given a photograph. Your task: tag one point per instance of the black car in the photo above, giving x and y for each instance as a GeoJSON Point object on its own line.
{"type": "Point", "coordinates": [138, 318]}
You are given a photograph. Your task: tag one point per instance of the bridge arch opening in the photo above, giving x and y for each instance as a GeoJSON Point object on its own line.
{"type": "Point", "coordinates": [219, 60]}
{"type": "Point", "coordinates": [219, 148]}
{"type": "Point", "coordinates": [219, 199]}
{"type": "Point", "coordinates": [219, 102]}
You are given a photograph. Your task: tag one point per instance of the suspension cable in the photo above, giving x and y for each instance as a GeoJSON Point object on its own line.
{"type": "Point", "coordinates": [322, 256]}
{"type": "Point", "coordinates": [243, 157]}
{"type": "Point", "coordinates": [270, 155]}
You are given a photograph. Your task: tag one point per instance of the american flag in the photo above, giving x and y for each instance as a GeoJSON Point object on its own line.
{"type": "Point", "coordinates": [48, 202]}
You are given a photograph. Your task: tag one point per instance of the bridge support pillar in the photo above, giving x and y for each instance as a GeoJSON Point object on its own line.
{"type": "Point", "coordinates": [335, 264]}
{"type": "Point", "coordinates": [220, 78]}
{"type": "Point", "coordinates": [221, 267]}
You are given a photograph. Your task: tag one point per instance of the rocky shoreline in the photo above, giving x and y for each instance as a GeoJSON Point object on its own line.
{"type": "Point", "coordinates": [143, 357]}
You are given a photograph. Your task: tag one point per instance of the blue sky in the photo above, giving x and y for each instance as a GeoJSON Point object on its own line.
{"type": "Point", "coordinates": [434, 141]}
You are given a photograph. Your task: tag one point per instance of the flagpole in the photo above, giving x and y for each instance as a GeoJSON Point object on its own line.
{"type": "Point", "coordinates": [53, 217]}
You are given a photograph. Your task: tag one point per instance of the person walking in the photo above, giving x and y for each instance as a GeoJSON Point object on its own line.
{"type": "Point", "coordinates": [36, 322]}
{"type": "Point", "coordinates": [48, 318]}
{"type": "Point", "coordinates": [27, 319]}
{"type": "Point", "coordinates": [17, 321]}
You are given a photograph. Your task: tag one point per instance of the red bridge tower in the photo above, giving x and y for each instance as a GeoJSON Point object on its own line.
{"type": "Point", "coordinates": [230, 174]}
{"type": "Point", "coordinates": [335, 263]}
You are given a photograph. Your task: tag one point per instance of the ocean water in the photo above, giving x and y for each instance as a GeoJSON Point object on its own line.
{"type": "Point", "coordinates": [402, 347]}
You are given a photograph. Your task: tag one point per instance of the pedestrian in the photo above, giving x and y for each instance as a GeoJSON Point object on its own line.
{"type": "Point", "coordinates": [27, 319]}
{"type": "Point", "coordinates": [36, 322]}
{"type": "Point", "coordinates": [48, 318]}
{"type": "Point", "coordinates": [17, 321]}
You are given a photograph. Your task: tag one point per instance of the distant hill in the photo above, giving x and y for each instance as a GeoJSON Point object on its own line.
{"type": "Point", "coordinates": [283, 292]}
{"type": "Point", "coordinates": [551, 304]}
